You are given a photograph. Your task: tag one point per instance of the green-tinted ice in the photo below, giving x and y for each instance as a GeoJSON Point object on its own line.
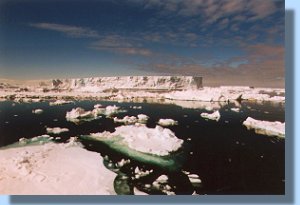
{"type": "Point", "coordinates": [171, 162]}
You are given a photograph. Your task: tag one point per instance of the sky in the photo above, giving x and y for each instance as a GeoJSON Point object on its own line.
{"type": "Point", "coordinates": [228, 42]}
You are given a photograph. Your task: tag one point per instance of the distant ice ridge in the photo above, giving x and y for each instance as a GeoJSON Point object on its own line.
{"type": "Point", "coordinates": [265, 127]}
{"type": "Point", "coordinates": [97, 84]}
{"type": "Point", "coordinates": [159, 141]}
{"type": "Point", "coordinates": [226, 93]}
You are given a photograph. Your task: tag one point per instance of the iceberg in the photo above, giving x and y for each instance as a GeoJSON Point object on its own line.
{"type": "Point", "coordinates": [157, 146]}
{"type": "Point", "coordinates": [129, 120]}
{"type": "Point", "coordinates": [265, 127]}
{"type": "Point", "coordinates": [56, 130]}
{"type": "Point", "coordinates": [60, 102]}
{"type": "Point", "coordinates": [37, 111]}
{"type": "Point", "coordinates": [55, 169]}
{"type": "Point", "coordinates": [167, 122]}
{"type": "Point", "coordinates": [213, 116]}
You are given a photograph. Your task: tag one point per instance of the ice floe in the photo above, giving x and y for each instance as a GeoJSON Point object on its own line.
{"type": "Point", "coordinates": [265, 127]}
{"type": "Point", "coordinates": [235, 109]}
{"type": "Point", "coordinates": [141, 118]}
{"type": "Point", "coordinates": [213, 116]}
{"type": "Point", "coordinates": [159, 141]}
{"type": "Point", "coordinates": [167, 122]}
{"type": "Point", "coordinates": [60, 102]}
{"type": "Point", "coordinates": [56, 130]}
{"type": "Point", "coordinates": [55, 169]}
{"type": "Point", "coordinates": [37, 111]}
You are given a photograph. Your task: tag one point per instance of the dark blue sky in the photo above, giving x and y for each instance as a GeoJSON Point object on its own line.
{"type": "Point", "coordinates": [227, 41]}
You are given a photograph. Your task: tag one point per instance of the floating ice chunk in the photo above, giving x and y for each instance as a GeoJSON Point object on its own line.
{"type": "Point", "coordinates": [53, 169]}
{"type": "Point", "coordinates": [142, 118]}
{"type": "Point", "coordinates": [213, 116]}
{"type": "Point", "coordinates": [140, 173]}
{"type": "Point", "coordinates": [37, 111]}
{"type": "Point", "coordinates": [161, 183]}
{"type": "Point", "coordinates": [167, 122]}
{"type": "Point", "coordinates": [56, 130]}
{"type": "Point", "coordinates": [235, 109]}
{"type": "Point", "coordinates": [97, 106]}
{"type": "Point", "coordinates": [194, 179]}
{"type": "Point", "coordinates": [126, 120]}
{"type": "Point", "coordinates": [78, 113]}
{"type": "Point", "coordinates": [110, 110]}
{"type": "Point", "coordinates": [60, 102]}
{"type": "Point", "coordinates": [265, 127]}
{"type": "Point", "coordinates": [159, 141]}
{"type": "Point", "coordinates": [138, 192]}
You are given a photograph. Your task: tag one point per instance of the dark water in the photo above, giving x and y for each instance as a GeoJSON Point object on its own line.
{"type": "Point", "coordinates": [228, 158]}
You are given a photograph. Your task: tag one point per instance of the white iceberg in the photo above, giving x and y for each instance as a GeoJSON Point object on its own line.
{"type": "Point", "coordinates": [265, 127]}
{"type": "Point", "coordinates": [37, 111]}
{"type": "Point", "coordinates": [56, 130]}
{"type": "Point", "coordinates": [60, 102]}
{"type": "Point", "coordinates": [159, 141]}
{"type": "Point", "coordinates": [53, 169]}
{"type": "Point", "coordinates": [213, 116]}
{"type": "Point", "coordinates": [78, 113]}
{"type": "Point", "coordinates": [167, 122]}
{"type": "Point", "coordinates": [126, 120]}
{"type": "Point", "coordinates": [235, 109]}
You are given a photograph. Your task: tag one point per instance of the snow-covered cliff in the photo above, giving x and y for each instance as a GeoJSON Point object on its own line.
{"type": "Point", "coordinates": [129, 82]}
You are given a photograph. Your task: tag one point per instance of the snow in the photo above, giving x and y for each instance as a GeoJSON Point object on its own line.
{"type": "Point", "coordinates": [161, 183]}
{"type": "Point", "coordinates": [132, 91]}
{"type": "Point", "coordinates": [235, 109]}
{"type": "Point", "coordinates": [53, 169]}
{"type": "Point", "coordinates": [126, 120]}
{"type": "Point", "coordinates": [158, 141]}
{"type": "Point", "coordinates": [167, 122]}
{"type": "Point", "coordinates": [194, 179]}
{"type": "Point", "coordinates": [100, 84]}
{"type": "Point", "coordinates": [213, 116]}
{"type": "Point", "coordinates": [129, 120]}
{"type": "Point", "coordinates": [37, 111]}
{"type": "Point", "coordinates": [265, 127]}
{"type": "Point", "coordinates": [223, 94]}
{"type": "Point", "coordinates": [142, 118]}
{"type": "Point", "coordinates": [60, 102]}
{"type": "Point", "coordinates": [78, 113]}
{"type": "Point", "coordinates": [56, 130]}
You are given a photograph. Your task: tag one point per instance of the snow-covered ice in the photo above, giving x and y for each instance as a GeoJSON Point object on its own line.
{"type": "Point", "coordinates": [53, 169]}
{"type": "Point", "coordinates": [60, 102]}
{"type": "Point", "coordinates": [37, 111]}
{"type": "Point", "coordinates": [159, 141]}
{"type": "Point", "coordinates": [213, 116]}
{"type": "Point", "coordinates": [265, 127]}
{"type": "Point", "coordinates": [56, 130]}
{"type": "Point", "coordinates": [235, 109]}
{"type": "Point", "coordinates": [167, 122]}
{"type": "Point", "coordinates": [129, 120]}
{"type": "Point", "coordinates": [77, 114]}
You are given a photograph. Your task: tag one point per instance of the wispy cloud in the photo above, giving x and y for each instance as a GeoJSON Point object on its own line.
{"type": "Point", "coordinates": [262, 65]}
{"type": "Point", "coordinates": [73, 31]}
{"type": "Point", "coordinates": [119, 44]}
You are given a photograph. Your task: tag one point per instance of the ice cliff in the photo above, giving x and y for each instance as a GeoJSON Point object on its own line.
{"type": "Point", "coordinates": [96, 84]}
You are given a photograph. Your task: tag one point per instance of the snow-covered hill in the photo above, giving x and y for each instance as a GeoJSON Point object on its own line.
{"type": "Point", "coordinates": [96, 84]}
